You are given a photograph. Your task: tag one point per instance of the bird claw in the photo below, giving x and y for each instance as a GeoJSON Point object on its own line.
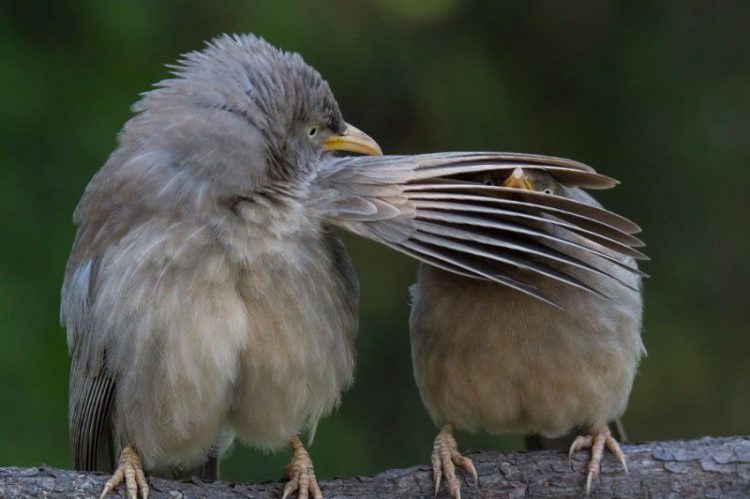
{"type": "Point", "coordinates": [130, 470]}
{"type": "Point", "coordinates": [445, 458]}
{"type": "Point", "coordinates": [597, 441]}
{"type": "Point", "coordinates": [301, 474]}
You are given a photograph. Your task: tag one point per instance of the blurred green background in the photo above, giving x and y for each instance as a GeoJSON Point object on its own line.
{"type": "Point", "coordinates": [656, 94]}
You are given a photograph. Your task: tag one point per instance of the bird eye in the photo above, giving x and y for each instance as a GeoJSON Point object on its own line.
{"type": "Point", "coordinates": [489, 182]}
{"type": "Point", "coordinates": [547, 191]}
{"type": "Point", "coordinates": [313, 130]}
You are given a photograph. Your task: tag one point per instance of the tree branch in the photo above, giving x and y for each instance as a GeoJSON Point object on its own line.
{"type": "Point", "coordinates": [709, 467]}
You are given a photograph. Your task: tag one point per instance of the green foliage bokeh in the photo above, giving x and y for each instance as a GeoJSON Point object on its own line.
{"type": "Point", "coordinates": [656, 94]}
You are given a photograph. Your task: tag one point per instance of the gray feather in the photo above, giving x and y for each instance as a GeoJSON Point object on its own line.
{"type": "Point", "coordinates": [399, 190]}
{"type": "Point", "coordinates": [515, 258]}
{"type": "Point", "coordinates": [90, 411]}
{"type": "Point", "coordinates": [619, 242]}
{"type": "Point", "coordinates": [558, 205]}
{"type": "Point", "coordinates": [583, 221]}
{"type": "Point", "coordinates": [478, 268]}
{"type": "Point", "coordinates": [567, 176]}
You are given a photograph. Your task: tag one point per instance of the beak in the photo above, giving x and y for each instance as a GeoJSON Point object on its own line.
{"type": "Point", "coordinates": [518, 180]}
{"type": "Point", "coordinates": [352, 140]}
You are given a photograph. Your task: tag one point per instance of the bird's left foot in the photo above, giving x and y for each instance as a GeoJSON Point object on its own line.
{"type": "Point", "coordinates": [130, 471]}
{"type": "Point", "coordinates": [301, 474]}
{"type": "Point", "coordinates": [597, 440]}
{"type": "Point", "coordinates": [445, 458]}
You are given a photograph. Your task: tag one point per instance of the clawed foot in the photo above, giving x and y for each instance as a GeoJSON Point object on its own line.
{"type": "Point", "coordinates": [596, 441]}
{"type": "Point", "coordinates": [445, 458]}
{"type": "Point", "coordinates": [300, 474]}
{"type": "Point", "coordinates": [129, 469]}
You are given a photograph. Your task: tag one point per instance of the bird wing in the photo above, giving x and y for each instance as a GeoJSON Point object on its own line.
{"type": "Point", "coordinates": [92, 387]}
{"type": "Point", "coordinates": [102, 219]}
{"type": "Point", "coordinates": [90, 409]}
{"type": "Point", "coordinates": [428, 207]}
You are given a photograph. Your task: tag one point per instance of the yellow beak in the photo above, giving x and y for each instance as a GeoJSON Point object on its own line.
{"type": "Point", "coordinates": [352, 140]}
{"type": "Point", "coordinates": [518, 180]}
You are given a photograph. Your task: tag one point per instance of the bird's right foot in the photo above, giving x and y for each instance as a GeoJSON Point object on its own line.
{"type": "Point", "coordinates": [597, 440]}
{"type": "Point", "coordinates": [445, 458]}
{"type": "Point", "coordinates": [130, 470]}
{"type": "Point", "coordinates": [301, 474]}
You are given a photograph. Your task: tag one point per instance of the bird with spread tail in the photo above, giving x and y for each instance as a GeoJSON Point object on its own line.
{"type": "Point", "coordinates": [206, 296]}
{"type": "Point", "coordinates": [489, 358]}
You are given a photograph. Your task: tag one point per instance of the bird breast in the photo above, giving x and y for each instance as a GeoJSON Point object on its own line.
{"type": "Point", "coordinates": [487, 357]}
{"type": "Point", "coordinates": [212, 327]}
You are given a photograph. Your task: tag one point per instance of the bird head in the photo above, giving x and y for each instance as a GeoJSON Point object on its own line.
{"type": "Point", "coordinates": [237, 118]}
{"type": "Point", "coordinates": [527, 179]}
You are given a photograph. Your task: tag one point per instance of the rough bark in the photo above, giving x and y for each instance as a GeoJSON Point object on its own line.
{"type": "Point", "coordinates": [709, 467]}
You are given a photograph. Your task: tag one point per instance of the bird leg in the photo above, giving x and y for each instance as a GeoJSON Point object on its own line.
{"type": "Point", "coordinates": [130, 470]}
{"type": "Point", "coordinates": [445, 458]}
{"type": "Point", "coordinates": [597, 440]}
{"type": "Point", "coordinates": [300, 474]}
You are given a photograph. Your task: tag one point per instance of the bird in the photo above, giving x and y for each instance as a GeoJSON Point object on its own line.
{"type": "Point", "coordinates": [207, 297]}
{"type": "Point", "coordinates": [487, 358]}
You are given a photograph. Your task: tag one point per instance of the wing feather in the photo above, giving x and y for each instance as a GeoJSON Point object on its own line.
{"type": "Point", "coordinates": [554, 204]}
{"type": "Point", "coordinates": [623, 245]}
{"type": "Point", "coordinates": [92, 387]}
{"type": "Point", "coordinates": [90, 410]}
{"type": "Point", "coordinates": [429, 207]}
{"type": "Point", "coordinates": [518, 256]}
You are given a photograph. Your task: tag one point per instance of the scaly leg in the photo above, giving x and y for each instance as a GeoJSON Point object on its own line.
{"type": "Point", "coordinates": [129, 469]}
{"type": "Point", "coordinates": [597, 440]}
{"type": "Point", "coordinates": [300, 474]}
{"type": "Point", "coordinates": [445, 458]}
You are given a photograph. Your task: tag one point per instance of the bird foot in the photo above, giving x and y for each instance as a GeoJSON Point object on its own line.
{"type": "Point", "coordinates": [597, 440]}
{"type": "Point", "coordinates": [130, 470]}
{"type": "Point", "coordinates": [301, 474]}
{"type": "Point", "coordinates": [445, 458]}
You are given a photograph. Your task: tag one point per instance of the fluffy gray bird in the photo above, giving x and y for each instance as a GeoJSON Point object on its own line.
{"type": "Point", "coordinates": [206, 296]}
{"type": "Point", "coordinates": [489, 358]}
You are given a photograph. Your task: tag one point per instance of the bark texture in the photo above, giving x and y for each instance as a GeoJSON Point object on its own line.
{"type": "Point", "coordinates": [708, 467]}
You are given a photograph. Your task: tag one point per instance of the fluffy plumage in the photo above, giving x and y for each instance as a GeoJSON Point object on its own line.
{"type": "Point", "coordinates": [202, 298]}
{"type": "Point", "coordinates": [491, 359]}
{"type": "Point", "coordinates": [205, 295]}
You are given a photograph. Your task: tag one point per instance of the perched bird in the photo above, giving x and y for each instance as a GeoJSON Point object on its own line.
{"type": "Point", "coordinates": [488, 358]}
{"type": "Point", "coordinates": [206, 296]}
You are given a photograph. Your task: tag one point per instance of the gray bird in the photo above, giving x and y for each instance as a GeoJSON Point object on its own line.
{"type": "Point", "coordinates": [488, 358]}
{"type": "Point", "coordinates": [206, 297]}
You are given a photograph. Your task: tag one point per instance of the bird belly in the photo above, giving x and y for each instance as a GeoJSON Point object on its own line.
{"type": "Point", "coordinates": [498, 371]}
{"type": "Point", "coordinates": [299, 355]}
{"type": "Point", "coordinates": [204, 348]}
{"type": "Point", "coordinates": [504, 389]}
{"type": "Point", "coordinates": [178, 328]}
